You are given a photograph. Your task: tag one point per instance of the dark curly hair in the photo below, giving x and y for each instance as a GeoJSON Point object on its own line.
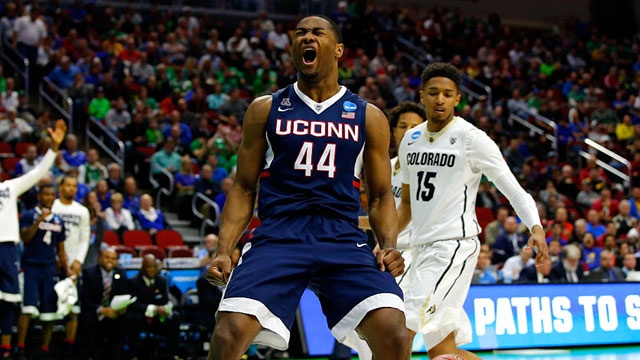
{"type": "Point", "coordinates": [440, 69]}
{"type": "Point", "coordinates": [405, 107]}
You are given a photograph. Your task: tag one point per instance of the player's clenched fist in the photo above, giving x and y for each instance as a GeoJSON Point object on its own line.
{"type": "Point", "coordinates": [219, 271]}
{"type": "Point", "coordinates": [390, 260]}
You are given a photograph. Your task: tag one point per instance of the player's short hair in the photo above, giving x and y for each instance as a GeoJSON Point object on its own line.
{"type": "Point", "coordinates": [440, 69]}
{"type": "Point", "coordinates": [46, 185]}
{"type": "Point", "coordinates": [405, 107]}
{"type": "Point", "coordinates": [65, 177]}
{"type": "Point", "coordinates": [335, 29]}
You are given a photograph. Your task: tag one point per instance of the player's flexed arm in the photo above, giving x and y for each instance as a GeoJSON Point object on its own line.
{"type": "Point", "coordinates": [241, 197]}
{"type": "Point", "coordinates": [382, 208]}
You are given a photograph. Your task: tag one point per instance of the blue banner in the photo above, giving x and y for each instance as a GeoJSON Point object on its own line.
{"type": "Point", "coordinates": [522, 316]}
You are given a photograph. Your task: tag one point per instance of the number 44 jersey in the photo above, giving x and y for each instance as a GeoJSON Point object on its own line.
{"type": "Point", "coordinates": [315, 155]}
{"type": "Point", "coordinates": [443, 171]}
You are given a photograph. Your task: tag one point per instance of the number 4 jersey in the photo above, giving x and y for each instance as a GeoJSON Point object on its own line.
{"type": "Point", "coordinates": [315, 155]}
{"type": "Point", "coordinates": [443, 171]}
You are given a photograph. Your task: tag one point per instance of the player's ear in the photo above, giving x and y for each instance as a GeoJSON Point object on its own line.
{"type": "Point", "coordinates": [339, 50]}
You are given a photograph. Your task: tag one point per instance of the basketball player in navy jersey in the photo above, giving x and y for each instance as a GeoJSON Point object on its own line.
{"type": "Point", "coordinates": [43, 234]}
{"type": "Point", "coordinates": [10, 190]}
{"type": "Point", "coordinates": [307, 145]}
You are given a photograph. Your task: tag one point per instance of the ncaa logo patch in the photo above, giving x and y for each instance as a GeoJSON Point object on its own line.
{"type": "Point", "coordinates": [415, 135]}
{"type": "Point", "coordinates": [349, 106]}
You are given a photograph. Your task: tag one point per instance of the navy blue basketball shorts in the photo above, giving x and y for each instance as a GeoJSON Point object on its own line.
{"type": "Point", "coordinates": [40, 299]}
{"type": "Point", "coordinates": [289, 254]}
{"type": "Point", "coordinates": [9, 286]}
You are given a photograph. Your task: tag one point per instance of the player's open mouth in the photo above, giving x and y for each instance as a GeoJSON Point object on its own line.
{"type": "Point", "coordinates": [309, 56]}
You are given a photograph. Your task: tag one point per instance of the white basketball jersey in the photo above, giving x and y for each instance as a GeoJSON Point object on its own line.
{"type": "Point", "coordinates": [77, 223]}
{"type": "Point", "coordinates": [444, 179]}
{"type": "Point", "coordinates": [396, 188]}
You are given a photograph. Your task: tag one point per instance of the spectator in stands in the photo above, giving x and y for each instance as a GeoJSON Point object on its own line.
{"type": "Point", "coordinates": [205, 253]}
{"type": "Point", "coordinates": [105, 328]}
{"type": "Point", "coordinates": [629, 264]}
{"type": "Point", "coordinates": [494, 228]}
{"type": "Point", "coordinates": [184, 132]}
{"type": "Point", "coordinates": [587, 196]}
{"type": "Point", "coordinates": [185, 185]}
{"type": "Point", "coordinates": [10, 15]}
{"type": "Point", "coordinates": [605, 116]}
{"type": "Point", "coordinates": [562, 218]}
{"type": "Point", "coordinates": [117, 118]}
{"type": "Point", "coordinates": [72, 156]}
{"type": "Point", "coordinates": [131, 200]}
{"type": "Point", "coordinates": [150, 218]}
{"type": "Point", "coordinates": [62, 75]}
{"type": "Point", "coordinates": [606, 271]}
{"type": "Point", "coordinates": [118, 218]}
{"type": "Point", "coordinates": [99, 106]}
{"type": "Point", "coordinates": [225, 186]}
{"type": "Point", "coordinates": [28, 32]}
{"type": "Point", "coordinates": [624, 221]}
{"type": "Point", "coordinates": [28, 161]}
{"type": "Point", "coordinates": [83, 189]}
{"type": "Point", "coordinates": [10, 95]}
{"type": "Point", "coordinates": [594, 226]}
{"type": "Point", "coordinates": [535, 274]}
{"type": "Point", "coordinates": [218, 173]}
{"type": "Point", "coordinates": [166, 158]}
{"type": "Point", "coordinates": [568, 269]}
{"type": "Point", "coordinates": [509, 241]}
{"type": "Point", "coordinates": [555, 247]}
{"type": "Point", "coordinates": [205, 184]}
{"type": "Point", "coordinates": [626, 130]}
{"type": "Point", "coordinates": [484, 273]}
{"type": "Point", "coordinates": [514, 265]}
{"type": "Point", "coordinates": [103, 193]}
{"type": "Point", "coordinates": [14, 129]}
{"type": "Point", "coordinates": [567, 184]}
{"type": "Point", "coordinates": [153, 134]}
{"type": "Point", "coordinates": [93, 170]}
{"type": "Point", "coordinates": [590, 252]}
{"type": "Point", "coordinates": [605, 205]}
{"type": "Point", "coordinates": [153, 312]}
{"type": "Point", "coordinates": [114, 180]}
{"type": "Point", "coordinates": [230, 132]}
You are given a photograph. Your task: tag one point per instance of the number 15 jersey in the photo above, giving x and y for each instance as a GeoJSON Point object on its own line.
{"type": "Point", "coordinates": [314, 157]}
{"type": "Point", "coordinates": [443, 171]}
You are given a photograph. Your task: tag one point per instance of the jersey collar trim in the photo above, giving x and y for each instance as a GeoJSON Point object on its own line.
{"type": "Point", "coordinates": [316, 106]}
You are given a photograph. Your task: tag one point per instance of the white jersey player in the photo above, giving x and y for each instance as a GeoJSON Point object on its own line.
{"type": "Point", "coordinates": [402, 117]}
{"type": "Point", "coordinates": [77, 223]}
{"type": "Point", "coordinates": [442, 162]}
{"type": "Point", "coordinates": [10, 235]}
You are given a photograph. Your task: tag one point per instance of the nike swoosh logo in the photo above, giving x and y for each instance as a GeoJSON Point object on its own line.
{"type": "Point", "coordinates": [411, 143]}
{"type": "Point", "coordinates": [284, 109]}
{"type": "Point", "coordinates": [361, 245]}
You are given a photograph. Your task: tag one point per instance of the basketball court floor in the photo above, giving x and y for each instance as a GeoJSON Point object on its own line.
{"type": "Point", "coordinates": [592, 353]}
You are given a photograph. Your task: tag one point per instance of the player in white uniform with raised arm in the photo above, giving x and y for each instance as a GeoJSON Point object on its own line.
{"type": "Point", "coordinates": [10, 190]}
{"type": "Point", "coordinates": [78, 236]}
{"type": "Point", "coordinates": [442, 161]}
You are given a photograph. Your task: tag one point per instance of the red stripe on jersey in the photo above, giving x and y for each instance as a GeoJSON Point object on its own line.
{"type": "Point", "coordinates": [356, 184]}
{"type": "Point", "coordinates": [265, 174]}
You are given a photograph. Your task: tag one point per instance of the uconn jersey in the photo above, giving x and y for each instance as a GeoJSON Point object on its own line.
{"type": "Point", "coordinates": [314, 159]}
{"type": "Point", "coordinates": [41, 250]}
